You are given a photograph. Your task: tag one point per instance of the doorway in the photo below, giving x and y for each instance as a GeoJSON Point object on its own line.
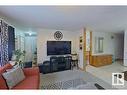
{"type": "Point", "coordinates": [31, 47]}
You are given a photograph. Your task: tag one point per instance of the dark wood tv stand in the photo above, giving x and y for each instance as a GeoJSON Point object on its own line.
{"type": "Point", "coordinates": [60, 63]}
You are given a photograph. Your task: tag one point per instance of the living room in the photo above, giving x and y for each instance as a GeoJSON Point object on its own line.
{"type": "Point", "coordinates": [41, 34]}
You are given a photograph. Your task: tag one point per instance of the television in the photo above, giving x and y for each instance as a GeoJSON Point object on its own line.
{"type": "Point", "coordinates": [58, 47]}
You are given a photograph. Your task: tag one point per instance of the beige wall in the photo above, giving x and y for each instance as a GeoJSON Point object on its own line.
{"type": "Point", "coordinates": [80, 52]}
{"type": "Point", "coordinates": [45, 35]}
{"type": "Point", "coordinates": [111, 46]}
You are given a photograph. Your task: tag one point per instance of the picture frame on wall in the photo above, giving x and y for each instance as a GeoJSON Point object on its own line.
{"type": "Point", "coordinates": [80, 46]}
{"type": "Point", "coordinates": [80, 40]}
{"type": "Point", "coordinates": [80, 43]}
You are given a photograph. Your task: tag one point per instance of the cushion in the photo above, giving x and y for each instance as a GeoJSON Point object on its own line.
{"type": "Point", "coordinates": [8, 66]}
{"type": "Point", "coordinates": [16, 66]}
{"type": "Point", "coordinates": [13, 76]}
{"type": "Point", "coordinates": [30, 82]}
{"type": "Point", "coordinates": [12, 62]}
{"type": "Point", "coordinates": [2, 80]}
{"type": "Point", "coordinates": [2, 83]}
{"type": "Point", "coordinates": [5, 67]}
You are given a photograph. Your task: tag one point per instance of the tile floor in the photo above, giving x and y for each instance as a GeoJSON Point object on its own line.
{"type": "Point", "coordinates": [105, 72]}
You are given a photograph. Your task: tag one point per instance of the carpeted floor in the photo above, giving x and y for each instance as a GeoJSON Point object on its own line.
{"type": "Point", "coordinates": [71, 79]}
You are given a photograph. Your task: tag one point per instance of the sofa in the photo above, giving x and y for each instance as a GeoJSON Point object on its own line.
{"type": "Point", "coordinates": [31, 81]}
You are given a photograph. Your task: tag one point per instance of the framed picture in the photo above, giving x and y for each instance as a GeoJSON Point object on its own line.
{"type": "Point", "coordinates": [99, 43]}
{"type": "Point", "coordinates": [80, 43]}
{"type": "Point", "coordinates": [80, 39]}
{"type": "Point", "coordinates": [80, 46]}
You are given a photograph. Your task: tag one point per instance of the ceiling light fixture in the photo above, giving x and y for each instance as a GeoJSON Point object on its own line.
{"type": "Point", "coordinates": [30, 34]}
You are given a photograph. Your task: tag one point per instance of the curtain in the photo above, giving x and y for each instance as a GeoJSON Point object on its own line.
{"type": "Point", "coordinates": [30, 47]}
{"type": "Point", "coordinates": [3, 43]}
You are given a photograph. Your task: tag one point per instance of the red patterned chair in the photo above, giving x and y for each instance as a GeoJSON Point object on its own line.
{"type": "Point", "coordinates": [31, 81]}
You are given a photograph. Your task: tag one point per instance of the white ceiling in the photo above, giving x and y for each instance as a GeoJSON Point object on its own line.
{"type": "Point", "coordinates": [97, 18]}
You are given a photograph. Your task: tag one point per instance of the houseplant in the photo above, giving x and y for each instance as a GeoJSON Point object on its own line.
{"type": "Point", "coordinates": [19, 57]}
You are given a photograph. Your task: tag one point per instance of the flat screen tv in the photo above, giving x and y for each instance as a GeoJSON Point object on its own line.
{"type": "Point", "coordinates": [58, 47]}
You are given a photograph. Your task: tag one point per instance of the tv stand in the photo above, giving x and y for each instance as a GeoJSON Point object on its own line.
{"type": "Point", "coordinates": [60, 63]}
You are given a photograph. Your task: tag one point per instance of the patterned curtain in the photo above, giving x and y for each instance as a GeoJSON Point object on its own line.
{"type": "Point", "coordinates": [3, 43]}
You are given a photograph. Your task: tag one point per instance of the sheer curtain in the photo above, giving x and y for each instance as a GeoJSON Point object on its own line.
{"type": "Point", "coordinates": [30, 47]}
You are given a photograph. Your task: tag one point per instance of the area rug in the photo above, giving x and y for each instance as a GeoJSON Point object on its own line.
{"type": "Point", "coordinates": [70, 84]}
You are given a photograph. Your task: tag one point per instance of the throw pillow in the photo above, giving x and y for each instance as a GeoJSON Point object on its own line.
{"type": "Point", "coordinates": [13, 77]}
{"type": "Point", "coordinates": [12, 63]}
{"type": "Point", "coordinates": [16, 66]}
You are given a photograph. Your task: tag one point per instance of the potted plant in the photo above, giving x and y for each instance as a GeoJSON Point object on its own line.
{"type": "Point", "coordinates": [35, 58]}
{"type": "Point", "coordinates": [18, 56]}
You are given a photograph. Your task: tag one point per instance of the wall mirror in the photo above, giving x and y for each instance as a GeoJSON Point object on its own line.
{"type": "Point", "coordinates": [99, 42]}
